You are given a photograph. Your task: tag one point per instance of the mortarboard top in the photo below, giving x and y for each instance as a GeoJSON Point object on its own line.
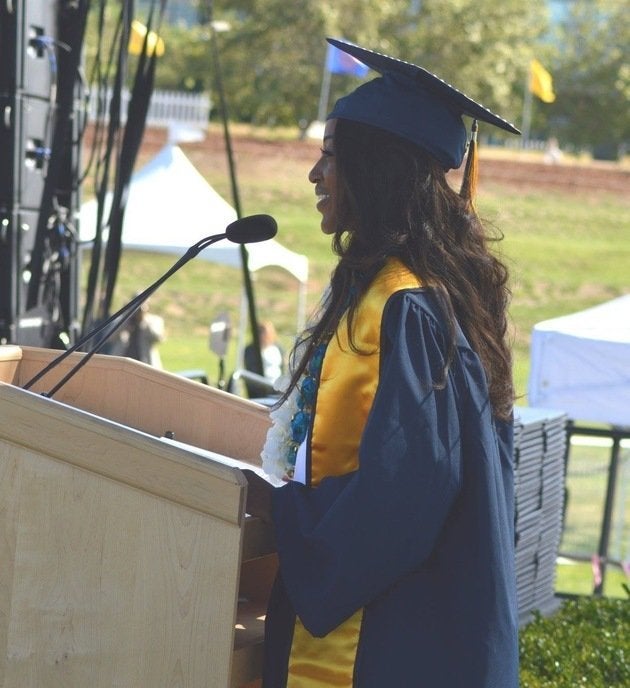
{"type": "Point", "coordinates": [414, 104]}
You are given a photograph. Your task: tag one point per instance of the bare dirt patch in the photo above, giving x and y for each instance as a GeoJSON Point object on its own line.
{"type": "Point", "coordinates": [525, 175]}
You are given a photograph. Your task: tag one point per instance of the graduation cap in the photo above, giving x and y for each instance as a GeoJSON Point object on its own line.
{"type": "Point", "coordinates": [416, 105]}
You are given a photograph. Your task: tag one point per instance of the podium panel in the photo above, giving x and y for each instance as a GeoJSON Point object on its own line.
{"type": "Point", "coordinates": [144, 398]}
{"type": "Point", "coordinates": [126, 560]}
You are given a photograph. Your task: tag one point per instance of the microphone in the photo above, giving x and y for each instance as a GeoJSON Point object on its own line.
{"type": "Point", "coordinates": [246, 230]}
{"type": "Point", "coordinates": [252, 229]}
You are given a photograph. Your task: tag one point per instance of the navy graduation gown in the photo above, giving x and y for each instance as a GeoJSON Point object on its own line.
{"type": "Point", "coordinates": [420, 537]}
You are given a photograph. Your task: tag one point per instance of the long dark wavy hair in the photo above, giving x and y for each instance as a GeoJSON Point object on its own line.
{"type": "Point", "coordinates": [393, 200]}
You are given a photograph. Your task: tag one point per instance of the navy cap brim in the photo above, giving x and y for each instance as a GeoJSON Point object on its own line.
{"type": "Point", "coordinates": [459, 102]}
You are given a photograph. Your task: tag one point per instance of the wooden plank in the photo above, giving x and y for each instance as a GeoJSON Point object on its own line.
{"type": "Point", "coordinates": [151, 400]}
{"type": "Point", "coordinates": [103, 585]}
{"type": "Point", "coordinates": [121, 454]}
{"type": "Point", "coordinates": [10, 357]}
{"type": "Point", "coordinates": [120, 554]}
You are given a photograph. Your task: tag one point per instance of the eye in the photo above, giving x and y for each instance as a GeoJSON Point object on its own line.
{"type": "Point", "coordinates": [326, 153]}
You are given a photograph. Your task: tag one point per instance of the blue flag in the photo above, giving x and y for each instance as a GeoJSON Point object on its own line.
{"type": "Point", "coordinates": [338, 62]}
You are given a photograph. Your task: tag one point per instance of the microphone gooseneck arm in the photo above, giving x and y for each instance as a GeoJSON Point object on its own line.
{"type": "Point", "coordinates": [249, 229]}
{"type": "Point", "coordinates": [84, 360]}
{"type": "Point", "coordinates": [127, 311]}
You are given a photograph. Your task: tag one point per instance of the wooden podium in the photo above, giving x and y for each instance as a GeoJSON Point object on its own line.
{"type": "Point", "coordinates": [127, 560]}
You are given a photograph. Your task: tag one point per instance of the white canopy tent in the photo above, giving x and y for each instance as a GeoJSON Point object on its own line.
{"type": "Point", "coordinates": [171, 206]}
{"type": "Point", "coordinates": [580, 364]}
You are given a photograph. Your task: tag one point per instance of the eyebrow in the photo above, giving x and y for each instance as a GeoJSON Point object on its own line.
{"type": "Point", "coordinates": [328, 138]}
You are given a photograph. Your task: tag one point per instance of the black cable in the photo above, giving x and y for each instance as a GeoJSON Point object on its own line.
{"type": "Point", "coordinates": [104, 264]}
{"type": "Point", "coordinates": [134, 132]}
{"type": "Point", "coordinates": [71, 22]}
{"type": "Point", "coordinates": [104, 165]}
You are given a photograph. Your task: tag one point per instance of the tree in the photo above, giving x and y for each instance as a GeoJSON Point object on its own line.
{"type": "Point", "coordinates": [272, 58]}
{"type": "Point", "coordinates": [186, 63]}
{"type": "Point", "coordinates": [266, 59]}
{"type": "Point", "coordinates": [592, 76]}
{"type": "Point", "coordinates": [482, 47]}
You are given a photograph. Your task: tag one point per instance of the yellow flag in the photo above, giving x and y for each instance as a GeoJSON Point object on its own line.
{"type": "Point", "coordinates": [540, 82]}
{"type": "Point", "coordinates": [136, 40]}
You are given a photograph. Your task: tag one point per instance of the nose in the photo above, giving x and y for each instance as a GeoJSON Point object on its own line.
{"type": "Point", "coordinates": [315, 174]}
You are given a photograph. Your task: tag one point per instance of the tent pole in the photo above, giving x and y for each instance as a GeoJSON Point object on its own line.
{"type": "Point", "coordinates": [242, 323]}
{"type": "Point", "coordinates": [301, 309]}
{"type": "Point", "coordinates": [247, 280]}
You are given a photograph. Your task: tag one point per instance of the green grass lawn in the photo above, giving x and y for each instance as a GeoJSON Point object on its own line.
{"type": "Point", "coordinates": [566, 252]}
{"type": "Point", "coordinates": [576, 578]}
{"type": "Point", "coordinates": [586, 482]}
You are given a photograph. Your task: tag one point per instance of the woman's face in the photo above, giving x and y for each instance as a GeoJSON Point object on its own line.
{"type": "Point", "coordinates": [324, 176]}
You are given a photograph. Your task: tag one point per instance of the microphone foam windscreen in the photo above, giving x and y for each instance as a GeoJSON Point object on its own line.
{"type": "Point", "coordinates": [250, 229]}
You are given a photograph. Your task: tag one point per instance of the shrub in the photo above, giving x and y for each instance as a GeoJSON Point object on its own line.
{"type": "Point", "coordinates": [584, 644]}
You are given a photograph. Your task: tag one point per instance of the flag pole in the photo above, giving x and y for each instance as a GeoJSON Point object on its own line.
{"type": "Point", "coordinates": [527, 110]}
{"type": "Point", "coordinates": [324, 94]}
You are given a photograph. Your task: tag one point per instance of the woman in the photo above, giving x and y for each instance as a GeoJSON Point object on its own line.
{"type": "Point", "coordinates": [271, 357]}
{"type": "Point", "coordinates": [395, 526]}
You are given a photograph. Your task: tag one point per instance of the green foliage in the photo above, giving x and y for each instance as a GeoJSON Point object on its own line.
{"type": "Point", "coordinates": [592, 75]}
{"type": "Point", "coordinates": [272, 58]}
{"type": "Point", "coordinates": [284, 42]}
{"type": "Point", "coordinates": [185, 65]}
{"type": "Point", "coordinates": [584, 644]}
{"type": "Point", "coordinates": [272, 61]}
{"type": "Point", "coordinates": [481, 46]}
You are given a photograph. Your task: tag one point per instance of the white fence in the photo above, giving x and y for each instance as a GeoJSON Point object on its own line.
{"type": "Point", "coordinates": [166, 107]}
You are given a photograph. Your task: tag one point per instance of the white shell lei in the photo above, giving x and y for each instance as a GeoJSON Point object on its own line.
{"type": "Point", "coordinates": [280, 444]}
{"type": "Point", "coordinates": [275, 450]}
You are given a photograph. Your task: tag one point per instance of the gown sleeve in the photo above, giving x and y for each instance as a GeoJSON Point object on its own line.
{"type": "Point", "coordinates": [344, 543]}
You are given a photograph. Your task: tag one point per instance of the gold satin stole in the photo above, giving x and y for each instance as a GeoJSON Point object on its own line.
{"type": "Point", "coordinates": [345, 394]}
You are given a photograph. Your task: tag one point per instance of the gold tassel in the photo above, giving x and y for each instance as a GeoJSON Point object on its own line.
{"type": "Point", "coordinates": [468, 189]}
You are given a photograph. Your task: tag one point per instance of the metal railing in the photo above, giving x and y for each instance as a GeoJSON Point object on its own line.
{"type": "Point", "coordinates": [165, 107]}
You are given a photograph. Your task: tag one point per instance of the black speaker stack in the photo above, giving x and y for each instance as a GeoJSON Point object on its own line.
{"type": "Point", "coordinates": [39, 257]}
